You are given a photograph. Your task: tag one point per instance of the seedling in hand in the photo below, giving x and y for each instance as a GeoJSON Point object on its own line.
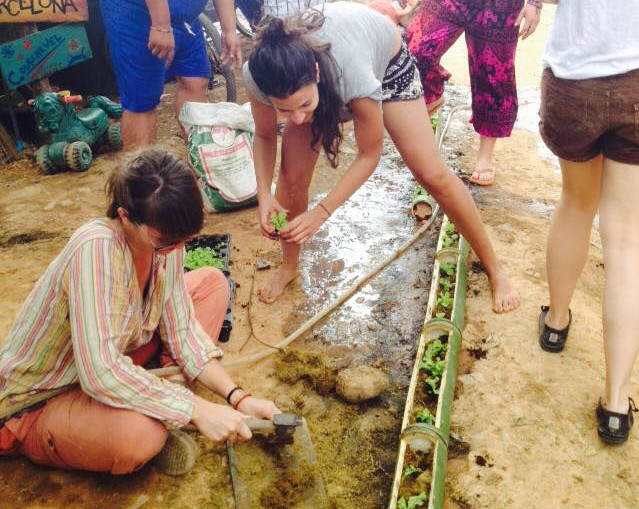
{"type": "Point", "coordinates": [279, 221]}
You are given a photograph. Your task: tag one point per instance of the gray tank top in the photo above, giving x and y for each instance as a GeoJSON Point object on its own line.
{"type": "Point", "coordinates": [362, 43]}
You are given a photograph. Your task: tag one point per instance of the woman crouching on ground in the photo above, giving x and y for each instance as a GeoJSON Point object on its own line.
{"type": "Point", "coordinates": [319, 70]}
{"type": "Point", "coordinates": [73, 392]}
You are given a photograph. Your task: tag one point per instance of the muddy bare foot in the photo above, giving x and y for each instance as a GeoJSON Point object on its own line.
{"type": "Point", "coordinates": [274, 287]}
{"type": "Point", "coordinates": [505, 297]}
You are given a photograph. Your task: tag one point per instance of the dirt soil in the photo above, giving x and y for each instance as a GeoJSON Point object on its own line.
{"type": "Point", "coordinates": [527, 415]}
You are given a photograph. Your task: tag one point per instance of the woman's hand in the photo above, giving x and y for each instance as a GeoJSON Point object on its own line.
{"type": "Point", "coordinates": [231, 50]}
{"type": "Point", "coordinates": [304, 226]}
{"type": "Point", "coordinates": [162, 44]}
{"type": "Point", "coordinates": [258, 408]}
{"type": "Point", "coordinates": [267, 205]}
{"type": "Point", "coordinates": [530, 15]}
{"type": "Point", "coordinates": [219, 422]}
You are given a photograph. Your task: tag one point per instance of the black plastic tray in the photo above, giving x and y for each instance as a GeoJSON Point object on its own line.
{"type": "Point", "coordinates": [222, 245]}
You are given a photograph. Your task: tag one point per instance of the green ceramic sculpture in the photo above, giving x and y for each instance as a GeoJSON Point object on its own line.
{"type": "Point", "coordinates": [74, 133]}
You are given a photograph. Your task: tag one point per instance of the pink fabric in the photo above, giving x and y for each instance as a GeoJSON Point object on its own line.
{"type": "Point", "coordinates": [75, 432]}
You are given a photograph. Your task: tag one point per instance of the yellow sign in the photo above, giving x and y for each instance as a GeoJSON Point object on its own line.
{"type": "Point", "coordinates": [59, 11]}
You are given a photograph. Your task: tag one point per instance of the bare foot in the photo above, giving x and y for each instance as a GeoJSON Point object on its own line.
{"type": "Point", "coordinates": [505, 297]}
{"type": "Point", "coordinates": [274, 287]}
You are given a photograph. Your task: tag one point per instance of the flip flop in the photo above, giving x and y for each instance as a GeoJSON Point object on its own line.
{"type": "Point", "coordinates": [487, 180]}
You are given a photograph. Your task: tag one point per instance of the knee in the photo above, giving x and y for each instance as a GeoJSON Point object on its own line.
{"type": "Point", "coordinates": [437, 180]}
{"type": "Point", "coordinates": [193, 85]}
{"type": "Point", "coordinates": [136, 440]}
{"type": "Point", "coordinates": [211, 283]}
{"type": "Point", "coordinates": [581, 203]}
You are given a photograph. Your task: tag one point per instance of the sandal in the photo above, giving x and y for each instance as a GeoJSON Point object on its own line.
{"type": "Point", "coordinates": [552, 340]}
{"type": "Point", "coordinates": [612, 427]}
{"type": "Point", "coordinates": [482, 176]}
{"type": "Point", "coordinates": [178, 454]}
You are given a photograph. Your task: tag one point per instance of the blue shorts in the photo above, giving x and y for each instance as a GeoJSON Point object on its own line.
{"type": "Point", "coordinates": [140, 75]}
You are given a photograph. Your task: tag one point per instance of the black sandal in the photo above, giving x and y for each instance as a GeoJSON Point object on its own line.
{"type": "Point", "coordinates": [612, 427]}
{"type": "Point", "coordinates": [552, 340]}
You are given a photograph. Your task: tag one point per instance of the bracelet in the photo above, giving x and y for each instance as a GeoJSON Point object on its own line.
{"type": "Point", "coordinates": [162, 30]}
{"type": "Point", "coordinates": [244, 396]}
{"type": "Point", "coordinates": [535, 3]}
{"type": "Point", "coordinates": [320, 204]}
{"type": "Point", "coordinates": [231, 392]}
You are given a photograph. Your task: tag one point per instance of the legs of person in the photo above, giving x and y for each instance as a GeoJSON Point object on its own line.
{"type": "Point", "coordinates": [191, 65]}
{"type": "Point", "coordinates": [190, 89]}
{"type": "Point", "coordinates": [296, 171]}
{"type": "Point", "coordinates": [210, 293]}
{"type": "Point", "coordinates": [429, 38]}
{"type": "Point", "coordinates": [491, 63]}
{"type": "Point", "coordinates": [569, 236]}
{"type": "Point", "coordinates": [138, 129]}
{"type": "Point", "coordinates": [619, 226]}
{"type": "Point", "coordinates": [76, 432]}
{"type": "Point", "coordinates": [413, 136]}
{"type": "Point", "coordinates": [139, 74]}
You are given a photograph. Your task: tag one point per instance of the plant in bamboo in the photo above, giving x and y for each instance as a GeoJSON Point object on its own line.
{"type": "Point", "coordinates": [412, 502]}
{"type": "Point", "coordinates": [432, 365]}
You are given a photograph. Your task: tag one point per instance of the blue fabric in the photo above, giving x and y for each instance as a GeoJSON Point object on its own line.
{"type": "Point", "coordinates": [141, 76]}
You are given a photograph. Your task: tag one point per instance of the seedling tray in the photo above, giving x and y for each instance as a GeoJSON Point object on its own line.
{"type": "Point", "coordinates": [221, 244]}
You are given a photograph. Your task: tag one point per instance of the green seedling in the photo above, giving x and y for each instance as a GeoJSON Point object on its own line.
{"type": "Point", "coordinates": [433, 350]}
{"type": "Point", "coordinates": [440, 315]}
{"type": "Point", "coordinates": [446, 269]}
{"type": "Point", "coordinates": [446, 284]}
{"type": "Point", "coordinates": [419, 192]}
{"type": "Point", "coordinates": [279, 221]}
{"type": "Point", "coordinates": [412, 502]}
{"type": "Point", "coordinates": [447, 242]}
{"type": "Point", "coordinates": [445, 300]}
{"type": "Point", "coordinates": [432, 384]}
{"type": "Point", "coordinates": [425, 416]}
{"type": "Point", "coordinates": [411, 470]}
{"type": "Point", "coordinates": [202, 257]}
{"type": "Point", "coordinates": [434, 121]}
{"type": "Point", "coordinates": [450, 229]}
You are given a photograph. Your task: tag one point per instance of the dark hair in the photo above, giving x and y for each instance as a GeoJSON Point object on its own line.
{"type": "Point", "coordinates": [157, 189]}
{"type": "Point", "coordinates": [283, 61]}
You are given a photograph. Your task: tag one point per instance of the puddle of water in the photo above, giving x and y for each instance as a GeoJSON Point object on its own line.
{"type": "Point", "coordinates": [389, 310]}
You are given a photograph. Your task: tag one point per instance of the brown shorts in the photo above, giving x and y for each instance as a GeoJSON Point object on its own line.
{"type": "Point", "coordinates": [580, 119]}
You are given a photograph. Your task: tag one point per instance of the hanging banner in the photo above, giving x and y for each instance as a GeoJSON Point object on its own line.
{"type": "Point", "coordinates": [58, 11]}
{"type": "Point", "coordinates": [42, 53]}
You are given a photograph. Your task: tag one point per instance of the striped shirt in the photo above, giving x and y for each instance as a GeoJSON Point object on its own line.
{"type": "Point", "coordinates": [86, 313]}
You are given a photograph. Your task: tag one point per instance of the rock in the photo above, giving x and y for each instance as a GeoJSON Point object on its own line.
{"type": "Point", "coordinates": [66, 203]}
{"type": "Point", "coordinates": [50, 205]}
{"type": "Point", "coordinates": [361, 383]}
{"type": "Point", "coordinates": [262, 265]}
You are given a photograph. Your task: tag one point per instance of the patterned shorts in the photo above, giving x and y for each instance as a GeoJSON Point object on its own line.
{"type": "Point", "coordinates": [401, 79]}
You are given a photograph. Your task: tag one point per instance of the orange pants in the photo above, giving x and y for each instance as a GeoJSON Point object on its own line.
{"type": "Point", "coordinates": [75, 432]}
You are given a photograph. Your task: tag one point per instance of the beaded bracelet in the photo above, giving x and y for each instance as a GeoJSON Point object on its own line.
{"type": "Point", "coordinates": [162, 30]}
{"type": "Point", "coordinates": [231, 392]}
{"type": "Point", "coordinates": [535, 3]}
{"type": "Point", "coordinates": [244, 396]}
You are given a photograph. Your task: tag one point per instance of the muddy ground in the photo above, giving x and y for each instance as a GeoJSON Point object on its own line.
{"type": "Point", "coordinates": [527, 415]}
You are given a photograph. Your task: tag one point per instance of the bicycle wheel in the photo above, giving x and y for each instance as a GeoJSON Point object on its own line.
{"type": "Point", "coordinates": [214, 51]}
{"type": "Point", "coordinates": [242, 24]}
